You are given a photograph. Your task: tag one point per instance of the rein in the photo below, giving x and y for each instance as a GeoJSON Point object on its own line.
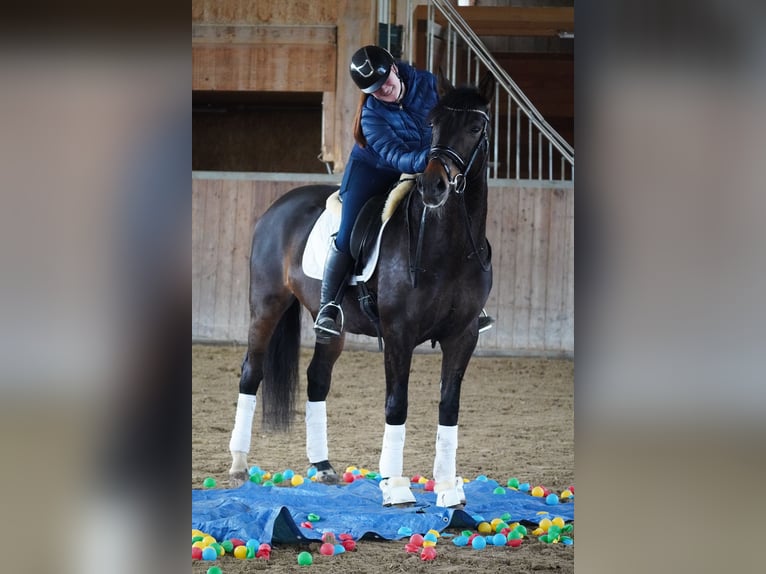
{"type": "Point", "coordinates": [456, 184]}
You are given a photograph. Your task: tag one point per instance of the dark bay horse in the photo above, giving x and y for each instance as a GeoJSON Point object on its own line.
{"type": "Point", "coordinates": [436, 240]}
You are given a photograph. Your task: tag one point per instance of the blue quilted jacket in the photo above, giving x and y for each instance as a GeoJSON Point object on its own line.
{"type": "Point", "coordinates": [398, 135]}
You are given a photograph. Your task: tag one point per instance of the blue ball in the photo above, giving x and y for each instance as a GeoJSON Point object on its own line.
{"type": "Point", "coordinates": [482, 478]}
{"type": "Point", "coordinates": [253, 543]}
{"type": "Point", "coordinates": [311, 471]}
{"type": "Point", "coordinates": [288, 474]}
{"type": "Point", "coordinates": [404, 531]}
{"type": "Point", "coordinates": [499, 539]}
{"type": "Point", "coordinates": [209, 553]}
{"type": "Point", "coordinates": [339, 548]}
{"type": "Point", "coordinates": [552, 499]}
{"type": "Point", "coordinates": [460, 540]}
{"type": "Point", "coordinates": [478, 543]}
{"type": "Point", "coordinates": [431, 537]}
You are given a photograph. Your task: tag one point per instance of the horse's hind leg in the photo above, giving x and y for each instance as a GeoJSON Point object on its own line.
{"type": "Point", "coordinates": [456, 354]}
{"type": "Point", "coordinates": [262, 325]}
{"type": "Point", "coordinates": [319, 375]}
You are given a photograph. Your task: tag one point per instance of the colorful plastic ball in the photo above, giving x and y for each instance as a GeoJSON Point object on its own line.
{"type": "Point", "coordinates": [250, 553]}
{"type": "Point", "coordinates": [429, 543]}
{"type": "Point", "coordinates": [253, 543]}
{"type": "Point", "coordinates": [209, 482]}
{"type": "Point", "coordinates": [311, 472]}
{"type": "Point", "coordinates": [278, 478]}
{"type": "Point", "coordinates": [501, 526]}
{"type": "Point", "coordinates": [499, 490]}
{"type": "Point", "coordinates": [349, 545]}
{"type": "Point", "coordinates": [313, 517]}
{"type": "Point", "coordinates": [460, 540]}
{"type": "Point", "coordinates": [538, 491]}
{"type": "Point", "coordinates": [478, 543]}
{"type": "Point", "coordinates": [218, 548]}
{"type": "Point", "coordinates": [196, 553]}
{"type": "Point", "coordinates": [209, 553]}
{"type": "Point", "coordinates": [197, 538]}
{"type": "Point", "coordinates": [484, 528]}
{"type": "Point", "coordinates": [305, 559]}
{"type": "Point", "coordinates": [339, 549]}
{"type": "Point", "coordinates": [515, 535]}
{"type": "Point", "coordinates": [521, 528]}
{"type": "Point", "coordinates": [552, 499]}
{"type": "Point", "coordinates": [429, 485]}
{"type": "Point", "coordinates": [404, 531]}
{"type": "Point", "coordinates": [524, 486]}
{"type": "Point", "coordinates": [428, 553]}
{"type": "Point", "coordinates": [288, 474]}
{"type": "Point", "coordinates": [327, 549]}
{"type": "Point", "coordinates": [410, 548]}
{"type": "Point", "coordinates": [417, 539]}
{"type": "Point", "coordinates": [558, 521]}
{"type": "Point", "coordinates": [482, 478]}
{"type": "Point", "coordinates": [296, 480]}
{"type": "Point", "coordinates": [328, 537]}
{"type": "Point", "coordinates": [254, 469]}
{"type": "Point", "coordinates": [256, 478]}
{"type": "Point", "coordinates": [430, 537]}
{"type": "Point", "coordinates": [515, 542]}
{"type": "Point", "coordinates": [567, 540]}
{"type": "Point", "coordinates": [199, 544]}
{"type": "Point", "coordinates": [566, 494]}
{"type": "Point", "coordinates": [415, 478]}
{"type": "Point", "coordinates": [545, 524]}
{"type": "Point", "coordinates": [499, 540]}
{"type": "Point", "coordinates": [240, 552]}
{"type": "Point", "coordinates": [208, 540]}
{"type": "Point", "coordinates": [348, 477]}
{"type": "Point", "coordinates": [513, 483]}
{"type": "Point", "coordinates": [214, 570]}
{"type": "Point", "coordinates": [237, 542]}
{"type": "Point", "coordinates": [268, 483]}
{"type": "Point", "coordinates": [227, 546]}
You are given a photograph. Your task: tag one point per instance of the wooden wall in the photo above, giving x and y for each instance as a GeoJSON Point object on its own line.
{"type": "Point", "coordinates": [530, 227]}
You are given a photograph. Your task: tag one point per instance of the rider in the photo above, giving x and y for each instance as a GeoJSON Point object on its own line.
{"type": "Point", "coordinates": [392, 136]}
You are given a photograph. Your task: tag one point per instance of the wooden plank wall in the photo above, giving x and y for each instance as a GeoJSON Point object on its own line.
{"type": "Point", "coordinates": [530, 228]}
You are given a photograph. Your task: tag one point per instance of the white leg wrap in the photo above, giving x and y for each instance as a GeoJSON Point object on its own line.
{"type": "Point", "coordinates": [392, 454]}
{"type": "Point", "coordinates": [243, 424]}
{"type": "Point", "coordinates": [446, 450]}
{"type": "Point", "coordinates": [316, 431]}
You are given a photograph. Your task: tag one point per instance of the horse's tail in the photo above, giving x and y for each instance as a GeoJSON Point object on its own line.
{"type": "Point", "coordinates": [280, 371]}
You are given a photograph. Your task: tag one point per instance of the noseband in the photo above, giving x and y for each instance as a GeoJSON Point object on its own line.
{"type": "Point", "coordinates": [442, 152]}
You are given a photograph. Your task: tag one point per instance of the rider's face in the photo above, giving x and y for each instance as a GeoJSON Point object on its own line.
{"type": "Point", "coordinates": [390, 89]}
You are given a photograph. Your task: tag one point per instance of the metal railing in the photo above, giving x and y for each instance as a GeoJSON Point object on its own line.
{"type": "Point", "coordinates": [525, 146]}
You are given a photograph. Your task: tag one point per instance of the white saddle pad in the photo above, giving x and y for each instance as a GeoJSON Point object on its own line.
{"type": "Point", "coordinates": [318, 245]}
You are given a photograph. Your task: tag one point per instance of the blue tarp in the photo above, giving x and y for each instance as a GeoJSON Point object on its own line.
{"type": "Point", "coordinates": [274, 514]}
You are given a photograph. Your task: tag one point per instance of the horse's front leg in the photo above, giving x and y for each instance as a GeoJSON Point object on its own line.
{"type": "Point", "coordinates": [456, 353]}
{"type": "Point", "coordinates": [319, 375]}
{"type": "Point", "coordinates": [394, 486]}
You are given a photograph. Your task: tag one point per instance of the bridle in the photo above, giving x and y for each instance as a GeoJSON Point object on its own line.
{"type": "Point", "coordinates": [457, 184]}
{"type": "Point", "coordinates": [439, 152]}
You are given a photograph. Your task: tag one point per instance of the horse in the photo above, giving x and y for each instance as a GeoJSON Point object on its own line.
{"type": "Point", "coordinates": [432, 280]}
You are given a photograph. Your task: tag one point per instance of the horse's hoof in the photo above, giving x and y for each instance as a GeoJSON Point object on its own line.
{"type": "Point", "coordinates": [450, 494]}
{"type": "Point", "coordinates": [237, 479]}
{"type": "Point", "coordinates": [325, 473]}
{"type": "Point", "coordinates": [396, 492]}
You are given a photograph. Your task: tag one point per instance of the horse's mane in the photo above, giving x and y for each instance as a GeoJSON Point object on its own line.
{"type": "Point", "coordinates": [462, 98]}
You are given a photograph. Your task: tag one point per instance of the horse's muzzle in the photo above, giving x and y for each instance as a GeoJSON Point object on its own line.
{"type": "Point", "coordinates": [433, 185]}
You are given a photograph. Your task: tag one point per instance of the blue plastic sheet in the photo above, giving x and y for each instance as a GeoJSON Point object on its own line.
{"type": "Point", "coordinates": [274, 514]}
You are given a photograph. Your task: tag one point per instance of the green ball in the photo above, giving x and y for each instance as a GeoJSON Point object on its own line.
{"type": "Point", "coordinates": [196, 538]}
{"type": "Point", "coordinates": [313, 517]}
{"type": "Point", "coordinates": [305, 559]}
{"type": "Point", "coordinates": [277, 478]}
{"type": "Point", "coordinates": [256, 478]}
{"type": "Point", "coordinates": [513, 483]}
{"type": "Point", "coordinates": [521, 528]}
{"type": "Point", "coordinates": [214, 570]}
{"type": "Point", "coordinates": [209, 482]}
{"type": "Point", "coordinates": [499, 490]}
{"type": "Point", "coordinates": [268, 483]}
{"type": "Point", "coordinates": [506, 517]}
{"type": "Point", "coordinates": [227, 545]}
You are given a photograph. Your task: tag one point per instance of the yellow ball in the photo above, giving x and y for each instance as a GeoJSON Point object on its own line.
{"type": "Point", "coordinates": [240, 552]}
{"type": "Point", "coordinates": [422, 480]}
{"type": "Point", "coordinates": [538, 531]}
{"type": "Point", "coordinates": [296, 480]}
{"type": "Point", "coordinates": [484, 528]}
{"type": "Point", "coordinates": [208, 540]}
{"type": "Point", "coordinates": [495, 522]}
{"type": "Point", "coordinates": [545, 524]}
{"type": "Point", "coordinates": [558, 521]}
{"type": "Point", "coordinates": [434, 532]}
{"type": "Point", "coordinates": [363, 471]}
{"type": "Point", "coordinates": [199, 544]}
{"type": "Point", "coordinates": [565, 494]}
{"type": "Point", "coordinates": [427, 543]}
{"type": "Point", "coordinates": [538, 491]}
{"type": "Point", "coordinates": [266, 476]}
{"type": "Point", "coordinates": [351, 468]}
{"type": "Point", "coordinates": [196, 532]}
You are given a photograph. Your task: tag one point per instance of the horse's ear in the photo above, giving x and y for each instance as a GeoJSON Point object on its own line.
{"type": "Point", "coordinates": [487, 86]}
{"type": "Point", "coordinates": [443, 85]}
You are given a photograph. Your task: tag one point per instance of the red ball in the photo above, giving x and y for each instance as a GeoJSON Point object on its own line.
{"type": "Point", "coordinates": [428, 553]}
{"type": "Point", "coordinates": [345, 536]}
{"type": "Point", "coordinates": [515, 542]}
{"type": "Point", "coordinates": [348, 477]}
{"type": "Point", "coordinates": [327, 549]}
{"type": "Point", "coordinates": [415, 478]}
{"type": "Point", "coordinates": [570, 488]}
{"type": "Point", "coordinates": [237, 542]}
{"type": "Point", "coordinates": [416, 539]}
{"type": "Point", "coordinates": [349, 545]}
{"type": "Point", "coordinates": [411, 548]}
{"type": "Point", "coordinates": [196, 553]}
{"type": "Point", "coordinates": [472, 536]}
{"type": "Point", "coordinates": [429, 487]}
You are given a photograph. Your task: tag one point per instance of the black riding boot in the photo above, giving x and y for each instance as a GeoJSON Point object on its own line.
{"type": "Point", "coordinates": [329, 321]}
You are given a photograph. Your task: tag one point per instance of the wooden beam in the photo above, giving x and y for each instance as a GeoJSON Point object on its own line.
{"type": "Point", "coordinates": [509, 20]}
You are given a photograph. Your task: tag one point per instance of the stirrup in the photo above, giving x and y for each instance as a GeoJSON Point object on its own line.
{"type": "Point", "coordinates": [485, 321]}
{"type": "Point", "coordinates": [324, 328]}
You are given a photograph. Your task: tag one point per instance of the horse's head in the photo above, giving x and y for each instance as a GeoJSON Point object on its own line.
{"type": "Point", "coordinates": [459, 142]}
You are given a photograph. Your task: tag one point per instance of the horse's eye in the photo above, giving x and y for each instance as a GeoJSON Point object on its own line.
{"type": "Point", "coordinates": [475, 129]}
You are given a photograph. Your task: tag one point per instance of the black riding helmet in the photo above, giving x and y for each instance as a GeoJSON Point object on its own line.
{"type": "Point", "coordinates": [370, 67]}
